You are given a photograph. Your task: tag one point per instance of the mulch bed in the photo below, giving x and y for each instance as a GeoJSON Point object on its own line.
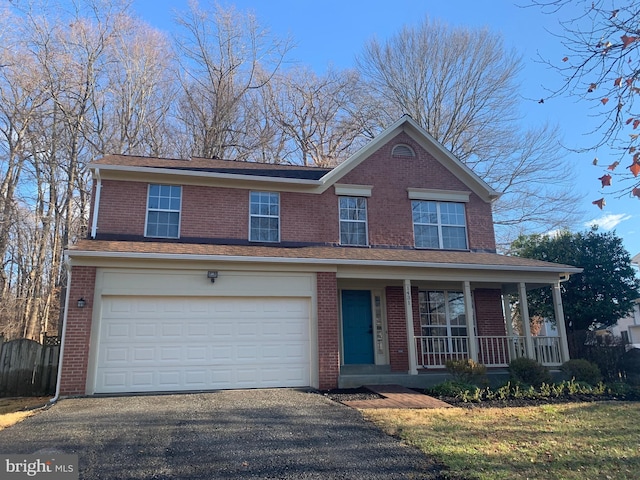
{"type": "Point", "coordinates": [351, 394]}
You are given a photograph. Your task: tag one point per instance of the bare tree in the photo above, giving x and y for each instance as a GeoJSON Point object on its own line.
{"type": "Point", "coordinates": [224, 55]}
{"type": "Point", "coordinates": [600, 66]}
{"type": "Point", "coordinates": [460, 85]}
{"type": "Point", "coordinates": [315, 115]}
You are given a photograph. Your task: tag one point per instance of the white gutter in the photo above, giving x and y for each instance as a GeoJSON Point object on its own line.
{"type": "Point", "coordinates": [67, 262]}
{"type": "Point", "coordinates": [96, 205]}
{"type": "Point", "coordinates": [318, 261]}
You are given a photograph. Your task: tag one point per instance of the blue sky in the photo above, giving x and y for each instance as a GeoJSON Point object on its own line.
{"type": "Point", "coordinates": [331, 32]}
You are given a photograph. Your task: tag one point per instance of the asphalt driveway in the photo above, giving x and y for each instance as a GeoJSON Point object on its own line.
{"type": "Point", "coordinates": [276, 433]}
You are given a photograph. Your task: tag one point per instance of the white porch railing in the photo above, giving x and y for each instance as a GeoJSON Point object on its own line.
{"type": "Point", "coordinates": [493, 351]}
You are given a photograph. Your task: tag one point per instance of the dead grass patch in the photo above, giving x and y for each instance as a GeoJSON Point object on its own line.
{"type": "Point", "coordinates": [565, 441]}
{"type": "Point", "coordinates": [14, 410]}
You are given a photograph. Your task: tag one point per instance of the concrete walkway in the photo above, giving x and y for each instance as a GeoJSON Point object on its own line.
{"type": "Point", "coordinates": [396, 396]}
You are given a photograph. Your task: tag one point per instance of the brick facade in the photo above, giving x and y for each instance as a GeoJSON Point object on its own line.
{"type": "Point", "coordinates": [488, 310]}
{"type": "Point", "coordinates": [328, 330]}
{"type": "Point", "coordinates": [78, 332]}
{"type": "Point", "coordinates": [223, 213]}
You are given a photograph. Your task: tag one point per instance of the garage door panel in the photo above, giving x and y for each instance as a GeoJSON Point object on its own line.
{"type": "Point", "coordinates": [164, 344]}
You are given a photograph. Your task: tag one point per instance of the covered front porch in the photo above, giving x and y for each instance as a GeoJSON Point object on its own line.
{"type": "Point", "coordinates": [419, 323]}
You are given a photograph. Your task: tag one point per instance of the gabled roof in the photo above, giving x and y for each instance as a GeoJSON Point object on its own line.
{"type": "Point", "coordinates": [425, 140]}
{"type": "Point", "coordinates": [313, 179]}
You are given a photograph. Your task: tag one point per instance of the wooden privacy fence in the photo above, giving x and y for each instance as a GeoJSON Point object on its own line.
{"type": "Point", "coordinates": [28, 368]}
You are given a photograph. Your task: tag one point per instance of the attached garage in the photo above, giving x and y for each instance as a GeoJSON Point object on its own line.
{"type": "Point", "coordinates": [162, 343]}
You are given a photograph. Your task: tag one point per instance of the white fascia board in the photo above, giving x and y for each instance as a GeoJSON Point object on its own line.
{"type": "Point", "coordinates": [205, 175]}
{"type": "Point", "coordinates": [317, 261]}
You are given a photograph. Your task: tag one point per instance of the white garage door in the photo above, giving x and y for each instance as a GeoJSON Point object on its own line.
{"type": "Point", "coordinates": [152, 344]}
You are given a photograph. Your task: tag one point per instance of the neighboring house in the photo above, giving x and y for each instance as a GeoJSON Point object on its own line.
{"type": "Point", "coordinates": [210, 274]}
{"type": "Point", "coordinates": [628, 328]}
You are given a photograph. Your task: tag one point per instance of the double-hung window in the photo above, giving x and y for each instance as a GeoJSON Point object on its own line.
{"type": "Point", "coordinates": [163, 211]}
{"type": "Point", "coordinates": [353, 221]}
{"type": "Point", "coordinates": [443, 321]}
{"type": "Point", "coordinates": [439, 225]}
{"type": "Point", "coordinates": [264, 217]}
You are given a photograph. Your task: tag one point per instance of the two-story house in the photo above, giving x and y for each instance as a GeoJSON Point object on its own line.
{"type": "Point", "coordinates": [208, 274]}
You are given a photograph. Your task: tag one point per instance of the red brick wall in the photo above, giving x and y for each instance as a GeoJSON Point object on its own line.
{"type": "Point", "coordinates": [78, 332]}
{"type": "Point", "coordinates": [389, 212]}
{"type": "Point", "coordinates": [397, 326]}
{"type": "Point", "coordinates": [122, 208]}
{"type": "Point", "coordinates": [224, 212]}
{"type": "Point", "coordinates": [328, 330]}
{"type": "Point", "coordinates": [488, 309]}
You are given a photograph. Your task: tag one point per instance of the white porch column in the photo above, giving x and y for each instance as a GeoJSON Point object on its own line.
{"type": "Point", "coordinates": [468, 307]}
{"type": "Point", "coordinates": [506, 306]}
{"type": "Point", "coordinates": [526, 324]}
{"type": "Point", "coordinates": [559, 314]}
{"type": "Point", "coordinates": [411, 340]}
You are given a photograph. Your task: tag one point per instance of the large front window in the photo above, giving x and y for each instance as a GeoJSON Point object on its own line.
{"type": "Point", "coordinates": [439, 225]}
{"type": "Point", "coordinates": [264, 217]}
{"type": "Point", "coordinates": [163, 211]}
{"type": "Point", "coordinates": [353, 221]}
{"type": "Point", "coordinates": [443, 318]}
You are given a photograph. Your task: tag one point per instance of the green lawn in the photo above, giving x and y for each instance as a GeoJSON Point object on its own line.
{"type": "Point", "coordinates": [581, 441]}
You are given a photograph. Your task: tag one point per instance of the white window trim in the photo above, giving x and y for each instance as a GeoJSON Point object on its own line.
{"type": "Point", "coordinates": [438, 195]}
{"type": "Point", "coordinates": [440, 225]}
{"type": "Point", "coordinates": [265, 216]}
{"type": "Point", "coordinates": [365, 221]}
{"type": "Point", "coordinates": [344, 190]}
{"type": "Point", "coordinates": [179, 211]}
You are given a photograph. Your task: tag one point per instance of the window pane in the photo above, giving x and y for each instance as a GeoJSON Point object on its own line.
{"type": "Point", "coordinates": [454, 238]}
{"type": "Point", "coordinates": [426, 236]}
{"type": "Point", "coordinates": [265, 220]}
{"type": "Point", "coordinates": [424, 212]}
{"type": "Point", "coordinates": [163, 216]}
{"type": "Point", "coordinates": [452, 213]}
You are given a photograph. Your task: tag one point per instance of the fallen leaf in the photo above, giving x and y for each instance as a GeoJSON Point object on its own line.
{"type": "Point", "coordinates": [613, 166]}
{"type": "Point", "coordinates": [600, 203]}
{"type": "Point", "coordinates": [606, 180]}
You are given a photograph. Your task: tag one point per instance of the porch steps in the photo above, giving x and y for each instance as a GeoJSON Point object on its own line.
{"type": "Point", "coordinates": [397, 396]}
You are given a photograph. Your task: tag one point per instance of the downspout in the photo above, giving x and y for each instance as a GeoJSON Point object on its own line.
{"type": "Point", "coordinates": [96, 204]}
{"type": "Point", "coordinates": [67, 262]}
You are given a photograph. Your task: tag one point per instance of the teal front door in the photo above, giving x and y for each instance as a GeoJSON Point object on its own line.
{"type": "Point", "coordinates": [357, 327]}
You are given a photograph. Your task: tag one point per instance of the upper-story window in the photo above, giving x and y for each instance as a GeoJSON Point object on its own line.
{"type": "Point", "coordinates": [163, 211]}
{"type": "Point", "coordinates": [353, 221]}
{"type": "Point", "coordinates": [264, 217]}
{"type": "Point", "coordinates": [439, 225]}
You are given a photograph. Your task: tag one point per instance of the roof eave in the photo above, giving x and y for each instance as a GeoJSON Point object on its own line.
{"type": "Point", "coordinates": [561, 269]}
